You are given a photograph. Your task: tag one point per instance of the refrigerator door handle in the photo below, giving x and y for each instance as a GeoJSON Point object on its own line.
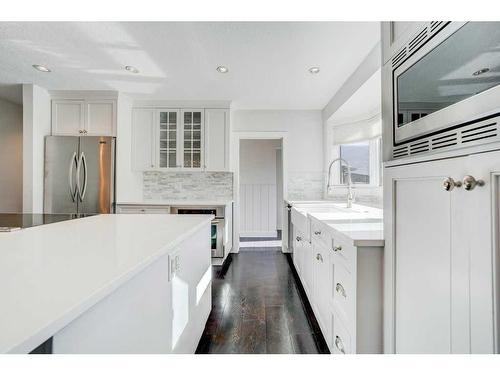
{"type": "Point", "coordinates": [72, 189]}
{"type": "Point", "coordinates": [82, 190]}
{"type": "Point", "coordinates": [85, 174]}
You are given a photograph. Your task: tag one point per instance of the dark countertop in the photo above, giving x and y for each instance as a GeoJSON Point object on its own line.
{"type": "Point", "coordinates": [20, 220]}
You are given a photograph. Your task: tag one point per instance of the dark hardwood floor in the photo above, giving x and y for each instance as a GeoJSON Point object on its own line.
{"type": "Point", "coordinates": [257, 307]}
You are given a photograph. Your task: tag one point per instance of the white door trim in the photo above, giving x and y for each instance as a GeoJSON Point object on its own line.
{"type": "Point", "coordinates": [235, 167]}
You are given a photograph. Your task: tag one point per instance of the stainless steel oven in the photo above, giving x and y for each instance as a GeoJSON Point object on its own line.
{"type": "Point", "coordinates": [217, 231]}
{"type": "Point", "coordinates": [445, 78]}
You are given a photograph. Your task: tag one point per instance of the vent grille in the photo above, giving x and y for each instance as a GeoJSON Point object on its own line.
{"type": "Point", "coordinates": [400, 56]}
{"type": "Point", "coordinates": [421, 146]}
{"type": "Point", "coordinates": [479, 132]}
{"type": "Point", "coordinates": [470, 135]}
{"type": "Point", "coordinates": [435, 25]}
{"type": "Point", "coordinates": [419, 40]}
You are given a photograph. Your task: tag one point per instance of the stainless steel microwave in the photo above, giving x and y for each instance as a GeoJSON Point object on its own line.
{"type": "Point", "coordinates": [446, 77]}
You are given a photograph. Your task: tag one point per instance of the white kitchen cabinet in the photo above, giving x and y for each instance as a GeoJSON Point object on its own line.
{"type": "Point", "coordinates": [100, 117]}
{"type": "Point", "coordinates": [193, 139]}
{"type": "Point", "coordinates": [348, 289]}
{"type": "Point", "coordinates": [217, 139]}
{"type": "Point", "coordinates": [68, 117]}
{"type": "Point", "coordinates": [167, 139]}
{"type": "Point", "coordinates": [322, 287]}
{"type": "Point", "coordinates": [77, 117]}
{"type": "Point", "coordinates": [143, 140]}
{"type": "Point", "coordinates": [162, 309]}
{"type": "Point", "coordinates": [440, 257]}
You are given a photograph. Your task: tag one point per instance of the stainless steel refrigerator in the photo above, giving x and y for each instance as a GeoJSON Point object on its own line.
{"type": "Point", "coordinates": [79, 175]}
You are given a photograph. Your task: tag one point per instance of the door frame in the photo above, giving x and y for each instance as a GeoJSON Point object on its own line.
{"type": "Point", "coordinates": [235, 167]}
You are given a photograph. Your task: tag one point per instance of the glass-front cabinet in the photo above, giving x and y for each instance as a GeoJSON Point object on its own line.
{"type": "Point", "coordinates": [180, 138]}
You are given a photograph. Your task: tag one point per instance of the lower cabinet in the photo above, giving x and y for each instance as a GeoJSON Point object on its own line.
{"type": "Point", "coordinates": [344, 284]}
{"type": "Point", "coordinates": [441, 255]}
{"type": "Point", "coordinates": [162, 309]}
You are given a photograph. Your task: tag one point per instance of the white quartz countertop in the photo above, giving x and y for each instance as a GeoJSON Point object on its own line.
{"type": "Point", "coordinates": [51, 274]}
{"type": "Point", "coordinates": [358, 232]}
{"type": "Point", "coordinates": [176, 203]}
{"type": "Point", "coordinates": [359, 225]}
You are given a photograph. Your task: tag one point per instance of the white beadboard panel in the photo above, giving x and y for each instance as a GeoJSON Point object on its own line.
{"type": "Point", "coordinates": [258, 210]}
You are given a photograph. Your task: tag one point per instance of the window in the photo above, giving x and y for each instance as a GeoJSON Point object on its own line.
{"type": "Point", "coordinates": [358, 157]}
{"type": "Point", "coordinates": [364, 160]}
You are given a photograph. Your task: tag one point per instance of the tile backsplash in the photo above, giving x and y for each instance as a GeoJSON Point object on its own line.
{"type": "Point", "coordinates": [305, 185]}
{"type": "Point", "coordinates": [208, 186]}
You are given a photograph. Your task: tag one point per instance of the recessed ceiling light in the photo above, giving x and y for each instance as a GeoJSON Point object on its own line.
{"type": "Point", "coordinates": [222, 69]}
{"type": "Point", "coordinates": [41, 68]}
{"type": "Point", "coordinates": [481, 71]}
{"type": "Point", "coordinates": [132, 69]}
{"type": "Point", "coordinates": [314, 70]}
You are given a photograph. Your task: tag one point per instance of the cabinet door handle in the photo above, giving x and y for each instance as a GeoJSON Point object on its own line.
{"type": "Point", "coordinates": [317, 233]}
{"type": "Point", "coordinates": [449, 183]}
{"type": "Point", "coordinates": [470, 182]}
{"type": "Point", "coordinates": [340, 290]}
{"type": "Point", "coordinates": [337, 248]}
{"type": "Point", "coordinates": [319, 257]}
{"type": "Point", "coordinates": [339, 344]}
{"type": "Point", "coordinates": [298, 239]}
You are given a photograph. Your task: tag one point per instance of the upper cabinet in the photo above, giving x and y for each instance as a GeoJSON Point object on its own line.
{"type": "Point", "coordinates": [84, 117]}
{"type": "Point", "coordinates": [217, 139]}
{"type": "Point", "coordinates": [194, 139]}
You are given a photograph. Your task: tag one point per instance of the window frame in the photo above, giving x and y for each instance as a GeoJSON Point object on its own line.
{"type": "Point", "coordinates": [375, 145]}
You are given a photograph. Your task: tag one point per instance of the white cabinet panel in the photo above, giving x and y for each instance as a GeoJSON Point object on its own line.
{"type": "Point", "coordinates": [440, 257]}
{"type": "Point", "coordinates": [143, 130]}
{"type": "Point", "coordinates": [101, 117]}
{"type": "Point", "coordinates": [322, 288]}
{"type": "Point", "coordinates": [84, 117]}
{"type": "Point", "coordinates": [423, 276]}
{"type": "Point", "coordinates": [68, 117]}
{"type": "Point", "coordinates": [217, 139]}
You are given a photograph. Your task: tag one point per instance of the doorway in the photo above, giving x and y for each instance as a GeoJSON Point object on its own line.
{"type": "Point", "coordinates": [260, 194]}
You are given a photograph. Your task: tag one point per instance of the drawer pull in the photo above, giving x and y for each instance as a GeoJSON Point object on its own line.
{"type": "Point", "coordinates": [319, 257]}
{"type": "Point", "coordinates": [298, 239]}
{"type": "Point", "coordinates": [317, 233]}
{"type": "Point", "coordinates": [337, 248]}
{"type": "Point", "coordinates": [339, 344]}
{"type": "Point", "coordinates": [340, 289]}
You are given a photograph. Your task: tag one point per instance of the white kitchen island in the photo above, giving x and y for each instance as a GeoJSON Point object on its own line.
{"type": "Point", "coordinates": [106, 284]}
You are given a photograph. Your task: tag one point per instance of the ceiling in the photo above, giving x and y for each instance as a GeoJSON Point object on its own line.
{"type": "Point", "coordinates": [268, 61]}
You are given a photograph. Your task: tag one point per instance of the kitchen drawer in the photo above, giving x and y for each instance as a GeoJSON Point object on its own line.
{"type": "Point", "coordinates": [301, 222]}
{"type": "Point", "coordinates": [341, 337]}
{"type": "Point", "coordinates": [344, 293]}
{"type": "Point", "coordinates": [133, 209]}
{"type": "Point", "coordinates": [344, 253]}
{"type": "Point", "coordinates": [320, 234]}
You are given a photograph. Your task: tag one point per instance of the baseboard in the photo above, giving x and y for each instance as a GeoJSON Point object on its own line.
{"type": "Point", "coordinates": [270, 234]}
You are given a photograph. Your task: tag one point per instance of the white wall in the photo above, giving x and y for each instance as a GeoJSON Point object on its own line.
{"type": "Point", "coordinates": [36, 125]}
{"type": "Point", "coordinates": [129, 184]}
{"type": "Point", "coordinates": [304, 153]}
{"type": "Point", "coordinates": [11, 157]}
{"type": "Point", "coordinates": [258, 187]}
